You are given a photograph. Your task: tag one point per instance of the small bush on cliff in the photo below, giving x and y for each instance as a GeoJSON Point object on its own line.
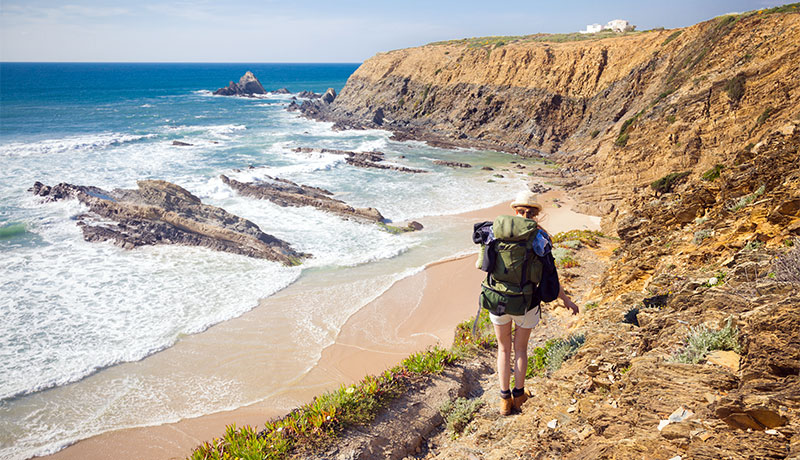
{"type": "Point", "coordinates": [594, 133]}
{"type": "Point", "coordinates": [735, 88]}
{"type": "Point", "coordinates": [745, 200]}
{"type": "Point", "coordinates": [701, 341]}
{"type": "Point", "coordinates": [587, 237]}
{"type": "Point", "coordinates": [665, 184]}
{"type": "Point", "coordinates": [713, 173]}
{"type": "Point", "coordinates": [458, 413]}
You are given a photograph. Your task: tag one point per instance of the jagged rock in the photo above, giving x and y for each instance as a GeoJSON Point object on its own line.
{"type": "Point", "coordinates": [329, 96]}
{"type": "Point", "coordinates": [293, 107]}
{"type": "Point", "coordinates": [280, 91]}
{"type": "Point", "coordinates": [248, 85]}
{"type": "Point", "coordinates": [181, 144]}
{"type": "Point", "coordinates": [286, 193]}
{"type": "Point", "coordinates": [160, 212]}
{"type": "Point", "coordinates": [452, 164]}
{"type": "Point", "coordinates": [309, 95]}
{"type": "Point", "coordinates": [538, 188]}
{"type": "Point", "coordinates": [487, 168]}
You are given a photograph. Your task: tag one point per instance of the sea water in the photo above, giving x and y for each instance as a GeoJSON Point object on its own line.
{"type": "Point", "coordinates": [73, 312]}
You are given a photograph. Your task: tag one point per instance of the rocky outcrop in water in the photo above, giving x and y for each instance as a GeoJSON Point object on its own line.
{"type": "Point", "coordinates": [248, 85]}
{"type": "Point", "coordinates": [362, 159]}
{"type": "Point", "coordinates": [286, 193]}
{"type": "Point", "coordinates": [452, 164]}
{"type": "Point", "coordinates": [160, 212]}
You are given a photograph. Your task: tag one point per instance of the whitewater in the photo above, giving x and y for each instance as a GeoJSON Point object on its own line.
{"type": "Point", "coordinates": [74, 312]}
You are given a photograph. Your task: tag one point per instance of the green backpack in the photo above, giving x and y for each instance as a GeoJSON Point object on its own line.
{"type": "Point", "coordinates": [510, 285]}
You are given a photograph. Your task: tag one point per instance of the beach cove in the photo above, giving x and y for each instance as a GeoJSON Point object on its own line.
{"type": "Point", "coordinates": [411, 314]}
{"type": "Point", "coordinates": [101, 339]}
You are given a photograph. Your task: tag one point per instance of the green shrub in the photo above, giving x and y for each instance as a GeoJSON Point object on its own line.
{"type": "Point", "coordinates": [735, 88]}
{"type": "Point", "coordinates": [713, 173]}
{"type": "Point", "coordinates": [753, 245]}
{"type": "Point", "coordinates": [590, 306]}
{"type": "Point", "coordinates": [701, 341]}
{"type": "Point", "coordinates": [671, 119]}
{"type": "Point", "coordinates": [594, 133]}
{"type": "Point", "coordinates": [665, 184]}
{"type": "Point", "coordinates": [622, 140]}
{"type": "Point", "coordinates": [458, 413]}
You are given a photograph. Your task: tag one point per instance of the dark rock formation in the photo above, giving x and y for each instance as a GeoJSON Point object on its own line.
{"type": "Point", "coordinates": [247, 86]}
{"type": "Point", "coordinates": [160, 212]}
{"type": "Point", "coordinates": [452, 164]}
{"type": "Point", "coordinates": [280, 91]}
{"type": "Point", "coordinates": [309, 95]}
{"type": "Point", "coordinates": [286, 193]}
{"type": "Point", "coordinates": [329, 96]}
{"type": "Point", "coordinates": [361, 159]}
{"type": "Point", "coordinates": [181, 144]}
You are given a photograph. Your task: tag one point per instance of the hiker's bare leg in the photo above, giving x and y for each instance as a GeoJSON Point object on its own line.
{"type": "Point", "coordinates": [503, 334]}
{"type": "Point", "coordinates": [521, 336]}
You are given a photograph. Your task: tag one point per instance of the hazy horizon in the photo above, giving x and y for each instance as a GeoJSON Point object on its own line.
{"type": "Point", "coordinates": [247, 31]}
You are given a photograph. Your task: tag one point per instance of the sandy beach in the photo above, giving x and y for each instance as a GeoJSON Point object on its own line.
{"type": "Point", "coordinates": [416, 312]}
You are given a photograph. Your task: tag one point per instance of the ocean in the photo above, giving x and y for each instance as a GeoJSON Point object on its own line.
{"type": "Point", "coordinates": [76, 316]}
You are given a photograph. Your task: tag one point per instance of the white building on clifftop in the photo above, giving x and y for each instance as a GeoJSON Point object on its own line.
{"type": "Point", "coordinates": [617, 25]}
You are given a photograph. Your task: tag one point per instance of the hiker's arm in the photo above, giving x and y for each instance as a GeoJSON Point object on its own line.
{"type": "Point", "coordinates": [568, 303]}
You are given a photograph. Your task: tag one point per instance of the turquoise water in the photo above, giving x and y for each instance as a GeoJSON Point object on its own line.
{"type": "Point", "coordinates": [72, 309]}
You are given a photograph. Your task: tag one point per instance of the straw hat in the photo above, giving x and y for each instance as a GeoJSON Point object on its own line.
{"type": "Point", "coordinates": [526, 198]}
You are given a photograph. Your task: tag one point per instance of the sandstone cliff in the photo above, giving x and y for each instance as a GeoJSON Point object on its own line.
{"type": "Point", "coordinates": [617, 113]}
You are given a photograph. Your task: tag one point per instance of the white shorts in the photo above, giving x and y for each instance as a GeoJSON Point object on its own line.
{"type": "Point", "coordinates": [527, 321]}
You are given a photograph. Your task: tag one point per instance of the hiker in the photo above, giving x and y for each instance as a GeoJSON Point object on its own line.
{"type": "Point", "coordinates": [526, 206]}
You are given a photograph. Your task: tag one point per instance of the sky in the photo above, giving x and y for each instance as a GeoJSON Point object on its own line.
{"type": "Point", "coordinates": [304, 30]}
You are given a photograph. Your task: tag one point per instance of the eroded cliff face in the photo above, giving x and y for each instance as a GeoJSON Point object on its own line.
{"type": "Point", "coordinates": [617, 113]}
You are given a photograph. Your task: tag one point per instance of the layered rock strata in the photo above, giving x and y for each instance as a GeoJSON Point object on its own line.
{"type": "Point", "coordinates": [621, 111]}
{"type": "Point", "coordinates": [286, 193]}
{"type": "Point", "coordinates": [160, 212]}
{"type": "Point", "coordinates": [248, 85]}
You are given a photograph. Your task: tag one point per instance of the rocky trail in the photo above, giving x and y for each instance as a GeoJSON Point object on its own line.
{"type": "Point", "coordinates": [692, 337]}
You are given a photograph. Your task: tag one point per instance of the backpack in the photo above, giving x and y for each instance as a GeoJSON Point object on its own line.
{"type": "Point", "coordinates": [521, 271]}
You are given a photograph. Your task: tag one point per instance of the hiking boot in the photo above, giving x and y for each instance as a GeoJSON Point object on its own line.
{"type": "Point", "coordinates": [519, 399]}
{"type": "Point", "coordinates": [506, 405]}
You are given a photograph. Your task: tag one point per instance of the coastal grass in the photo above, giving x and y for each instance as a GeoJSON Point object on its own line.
{"type": "Point", "coordinates": [746, 200]}
{"type": "Point", "coordinates": [318, 423]}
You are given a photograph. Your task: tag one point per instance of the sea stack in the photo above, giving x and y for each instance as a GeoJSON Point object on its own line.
{"type": "Point", "coordinates": [248, 85]}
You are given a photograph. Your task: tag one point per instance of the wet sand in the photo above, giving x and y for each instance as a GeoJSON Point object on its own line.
{"type": "Point", "coordinates": [416, 312]}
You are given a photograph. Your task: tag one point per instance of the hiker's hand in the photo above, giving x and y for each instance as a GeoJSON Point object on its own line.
{"type": "Point", "coordinates": [568, 303]}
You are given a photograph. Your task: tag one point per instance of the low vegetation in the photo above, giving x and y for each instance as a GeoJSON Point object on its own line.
{"type": "Point", "coordinates": [672, 36]}
{"type": "Point", "coordinates": [745, 200]}
{"type": "Point", "coordinates": [498, 41]}
{"type": "Point", "coordinates": [588, 237]}
{"type": "Point", "coordinates": [735, 88]}
{"type": "Point", "coordinates": [701, 341]}
{"type": "Point", "coordinates": [713, 173]}
{"type": "Point", "coordinates": [458, 413]}
{"type": "Point", "coordinates": [666, 183]}
{"type": "Point", "coordinates": [552, 355]}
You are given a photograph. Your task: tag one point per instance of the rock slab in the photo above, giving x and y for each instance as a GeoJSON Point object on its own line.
{"type": "Point", "coordinates": [286, 193]}
{"type": "Point", "coordinates": [160, 212]}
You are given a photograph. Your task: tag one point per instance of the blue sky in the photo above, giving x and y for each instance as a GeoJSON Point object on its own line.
{"type": "Point", "coordinates": [303, 30]}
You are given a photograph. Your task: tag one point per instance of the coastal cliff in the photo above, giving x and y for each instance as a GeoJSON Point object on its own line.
{"type": "Point", "coordinates": [617, 113]}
